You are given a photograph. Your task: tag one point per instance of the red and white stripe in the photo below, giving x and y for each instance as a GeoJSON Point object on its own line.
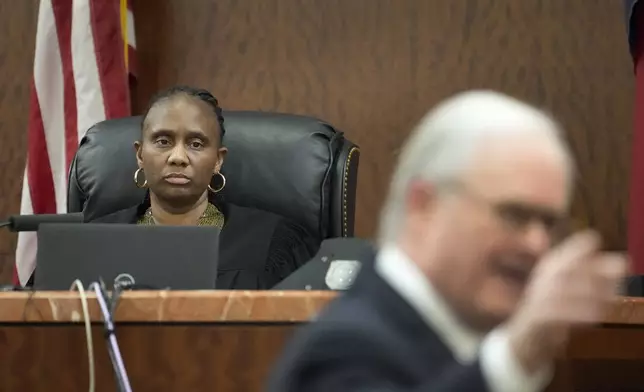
{"type": "Point", "coordinates": [80, 78]}
{"type": "Point", "coordinates": [129, 37]}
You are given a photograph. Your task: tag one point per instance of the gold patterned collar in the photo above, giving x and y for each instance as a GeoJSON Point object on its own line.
{"type": "Point", "coordinates": [211, 217]}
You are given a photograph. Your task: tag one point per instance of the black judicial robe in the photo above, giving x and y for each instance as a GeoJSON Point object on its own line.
{"type": "Point", "coordinates": [257, 249]}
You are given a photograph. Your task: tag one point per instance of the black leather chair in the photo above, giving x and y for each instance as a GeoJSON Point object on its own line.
{"type": "Point", "coordinates": [298, 167]}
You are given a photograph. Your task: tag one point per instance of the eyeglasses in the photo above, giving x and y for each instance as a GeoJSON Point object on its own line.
{"type": "Point", "coordinates": [516, 215]}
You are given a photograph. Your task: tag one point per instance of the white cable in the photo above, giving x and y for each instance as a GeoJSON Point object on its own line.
{"type": "Point", "coordinates": [88, 331]}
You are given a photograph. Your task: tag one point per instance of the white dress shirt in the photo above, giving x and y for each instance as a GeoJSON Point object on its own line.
{"type": "Point", "coordinates": [500, 368]}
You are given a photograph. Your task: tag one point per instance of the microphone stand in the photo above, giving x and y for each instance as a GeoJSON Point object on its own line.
{"type": "Point", "coordinates": [122, 380]}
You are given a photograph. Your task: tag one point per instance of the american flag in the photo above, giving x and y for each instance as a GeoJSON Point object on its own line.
{"type": "Point", "coordinates": [83, 61]}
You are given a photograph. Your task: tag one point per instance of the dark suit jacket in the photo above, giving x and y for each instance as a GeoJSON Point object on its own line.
{"type": "Point", "coordinates": [370, 339]}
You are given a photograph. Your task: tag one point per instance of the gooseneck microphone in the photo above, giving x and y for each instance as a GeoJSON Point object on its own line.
{"type": "Point", "coordinates": [122, 380]}
{"type": "Point", "coordinates": [18, 223]}
{"type": "Point", "coordinates": [32, 222]}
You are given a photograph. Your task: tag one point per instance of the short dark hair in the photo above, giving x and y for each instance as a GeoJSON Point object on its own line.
{"type": "Point", "coordinates": [199, 93]}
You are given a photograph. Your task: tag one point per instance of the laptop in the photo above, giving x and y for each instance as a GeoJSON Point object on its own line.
{"type": "Point", "coordinates": [146, 257]}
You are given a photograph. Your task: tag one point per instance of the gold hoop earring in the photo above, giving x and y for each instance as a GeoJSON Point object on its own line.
{"type": "Point", "coordinates": [136, 178]}
{"type": "Point", "coordinates": [223, 184]}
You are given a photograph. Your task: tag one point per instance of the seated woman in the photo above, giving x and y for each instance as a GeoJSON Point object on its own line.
{"type": "Point", "coordinates": [180, 155]}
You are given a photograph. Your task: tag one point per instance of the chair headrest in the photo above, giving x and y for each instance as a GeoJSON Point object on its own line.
{"type": "Point", "coordinates": [280, 163]}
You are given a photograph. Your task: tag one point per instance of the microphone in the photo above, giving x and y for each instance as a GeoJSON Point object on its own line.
{"type": "Point", "coordinates": [32, 222]}
{"type": "Point", "coordinates": [122, 380]}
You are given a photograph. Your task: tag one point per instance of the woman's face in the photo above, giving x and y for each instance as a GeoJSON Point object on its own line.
{"type": "Point", "coordinates": [180, 149]}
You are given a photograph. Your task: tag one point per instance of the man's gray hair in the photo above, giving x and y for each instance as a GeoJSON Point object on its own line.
{"type": "Point", "coordinates": [441, 146]}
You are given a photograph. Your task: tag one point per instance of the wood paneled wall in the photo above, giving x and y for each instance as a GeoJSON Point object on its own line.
{"type": "Point", "coordinates": [371, 68]}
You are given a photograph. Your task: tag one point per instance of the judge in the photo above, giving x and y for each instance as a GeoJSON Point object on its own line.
{"type": "Point", "coordinates": [467, 292]}
{"type": "Point", "coordinates": [179, 156]}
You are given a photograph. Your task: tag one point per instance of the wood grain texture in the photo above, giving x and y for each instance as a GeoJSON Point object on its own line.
{"type": "Point", "coordinates": [212, 305]}
{"type": "Point", "coordinates": [17, 40]}
{"type": "Point", "coordinates": [159, 357]}
{"type": "Point", "coordinates": [169, 306]}
{"type": "Point", "coordinates": [373, 68]}
{"type": "Point", "coordinates": [237, 357]}
{"type": "Point", "coordinates": [604, 358]}
{"type": "Point", "coordinates": [225, 341]}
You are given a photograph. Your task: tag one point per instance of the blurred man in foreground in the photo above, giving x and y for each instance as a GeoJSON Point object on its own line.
{"type": "Point", "coordinates": [467, 292]}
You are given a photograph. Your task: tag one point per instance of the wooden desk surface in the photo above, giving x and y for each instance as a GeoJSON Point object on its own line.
{"type": "Point", "coordinates": [227, 340]}
{"type": "Point", "coordinates": [209, 306]}
{"type": "Point", "coordinates": [167, 306]}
